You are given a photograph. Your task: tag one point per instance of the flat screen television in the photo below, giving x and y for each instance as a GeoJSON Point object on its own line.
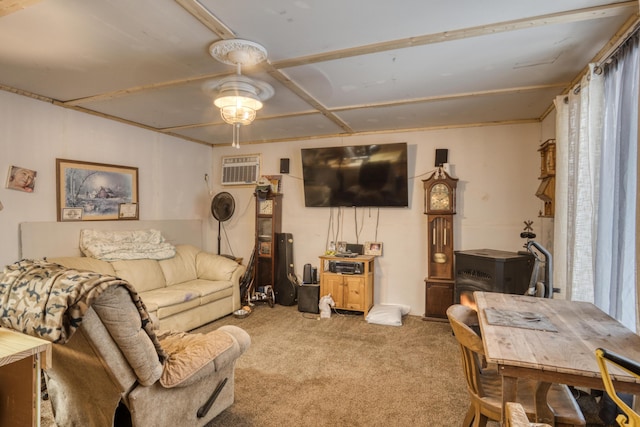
{"type": "Point", "coordinates": [362, 175]}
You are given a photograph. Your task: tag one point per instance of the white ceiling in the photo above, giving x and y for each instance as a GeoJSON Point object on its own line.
{"type": "Point", "coordinates": [338, 67]}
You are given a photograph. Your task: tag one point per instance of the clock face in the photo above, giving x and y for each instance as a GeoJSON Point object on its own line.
{"type": "Point", "coordinates": [440, 198]}
{"type": "Point", "coordinates": [266, 207]}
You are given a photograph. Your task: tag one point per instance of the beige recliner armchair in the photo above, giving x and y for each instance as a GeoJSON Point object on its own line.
{"type": "Point", "coordinates": [110, 366]}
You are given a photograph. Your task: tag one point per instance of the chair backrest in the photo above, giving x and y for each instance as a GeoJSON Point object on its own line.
{"type": "Point", "coordinates": [102, 362]}
{"type": "Point", "coordinates": [461, 318]}
{"type": "Point", "coordinates": [629, 418]}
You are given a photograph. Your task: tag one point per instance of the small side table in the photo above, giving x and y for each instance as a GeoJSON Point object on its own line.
{"type": "Point", "coordinates": [21, 358]}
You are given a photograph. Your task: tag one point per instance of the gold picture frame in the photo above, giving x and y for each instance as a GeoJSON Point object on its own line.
{"type": "Point", "coordinates": [97, 189]}
{"type": "Point", "coordinates": [373, 248]}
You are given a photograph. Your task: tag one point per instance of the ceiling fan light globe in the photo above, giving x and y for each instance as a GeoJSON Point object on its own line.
{"type": "Point", "coordinates": [234, 115]}
{"type": "Point", "coordinates": [238, 101]}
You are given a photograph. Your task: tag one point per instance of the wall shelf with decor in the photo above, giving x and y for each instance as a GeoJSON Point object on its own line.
{"type": "Point", "coordinates": [547, 188]}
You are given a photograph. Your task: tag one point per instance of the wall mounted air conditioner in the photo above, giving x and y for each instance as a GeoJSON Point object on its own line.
{"type": "Point", "coordinates": [240, 170]}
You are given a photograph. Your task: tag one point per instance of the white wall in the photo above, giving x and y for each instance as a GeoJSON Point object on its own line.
{"type": "Point", "coordinates": [33, 134]}
{"type": "Point", "coordinates": [497, 167]}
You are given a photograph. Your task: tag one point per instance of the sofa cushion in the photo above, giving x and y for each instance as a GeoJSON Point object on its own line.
{"type": "Point", "coordinates": [203, 288]}
{"type": "Point", "coordinates": [143, 274]}
{"type": "Point", "coordinates": [214, 267]}
{"type": "Point", "coordinates": [86, 264]}
{"type": "Point", "coordinates": [171, 301]}
{"type": "Point", "coordinates": [207, 290]}
{"type": "Point", "coordinates": [181, 267]}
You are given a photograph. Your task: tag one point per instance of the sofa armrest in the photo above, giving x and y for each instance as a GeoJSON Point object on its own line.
{"type": "Point", "coordinates": [235, 279]}
{"type": "Point", "coordinates": [216, 267]}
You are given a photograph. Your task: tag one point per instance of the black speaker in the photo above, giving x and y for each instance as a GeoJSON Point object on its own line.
{"type": "Point", "coordinates": [284, 165]}
{"type": "Point", "coordinates": [307, 274]}
{"type": "Point", "coordinates": [442, 156]}
{"type": "Point", "coordinates": [286, 286]}
{"type": "Point", "coordinates": [308, 298]}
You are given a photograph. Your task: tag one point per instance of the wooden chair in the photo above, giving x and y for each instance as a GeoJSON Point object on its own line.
{"type": "Point", "coordinates": [517, 417]}
{"type": "Point", "coordinates": [485, 384]}
{"type": "Point", "coordinates": [629, 418]}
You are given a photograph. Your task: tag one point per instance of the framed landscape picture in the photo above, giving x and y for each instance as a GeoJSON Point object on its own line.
{"type": "Point", "coordinates": [95, 190]}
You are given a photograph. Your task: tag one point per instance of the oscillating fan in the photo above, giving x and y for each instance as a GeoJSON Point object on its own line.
{"type": "Point", "coordinates": [222, 207]}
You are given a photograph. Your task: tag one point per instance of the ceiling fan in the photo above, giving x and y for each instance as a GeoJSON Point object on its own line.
{"type": "Point", "coordinates": [222, 207]}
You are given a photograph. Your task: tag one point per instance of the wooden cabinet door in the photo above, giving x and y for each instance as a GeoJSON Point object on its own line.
{"type": "Point", "coordinates": [439, 297]}
{"type": "Point", "coordinates": [333, 284]}
{"type": "Point", "coordinates": [354, 292]}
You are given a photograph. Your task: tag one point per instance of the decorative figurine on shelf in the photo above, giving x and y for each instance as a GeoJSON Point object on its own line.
{"type": "Point", "coordinates": [325, 304]}
{"type": "Point", "coordinates": [528, 231]}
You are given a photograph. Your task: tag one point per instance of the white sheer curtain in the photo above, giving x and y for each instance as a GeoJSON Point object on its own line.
{"type": "Point", "coordinates": [578, 142]}
{"type": "Point", "coordinates": [615, 283]}
{"type": "Point", "coordinates": [596, 176]}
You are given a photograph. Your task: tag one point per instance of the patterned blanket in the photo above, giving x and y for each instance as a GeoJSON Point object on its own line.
{"type": "Point", "coordinates": [48, 300]}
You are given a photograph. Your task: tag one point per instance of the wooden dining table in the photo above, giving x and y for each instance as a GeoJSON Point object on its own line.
{"type": "Point", "coordinates": [551, 341]}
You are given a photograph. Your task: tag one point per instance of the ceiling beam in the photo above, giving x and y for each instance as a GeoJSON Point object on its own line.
{"type": "Point", "coordinates": [464, 33]}
{"type": "Point", "coordinates": [207, 19]}
{"type": "Point", "coordinates": [222, 31]}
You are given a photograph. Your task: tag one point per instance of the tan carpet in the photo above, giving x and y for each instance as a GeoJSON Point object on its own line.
{"type": "Point", "coordinates": [345, 372]}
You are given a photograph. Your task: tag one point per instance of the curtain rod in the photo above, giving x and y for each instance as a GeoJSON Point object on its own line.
{"type": "Point", "coordinates": [631, 31]}
{"type": "Point", "coordinates": [608, 58]}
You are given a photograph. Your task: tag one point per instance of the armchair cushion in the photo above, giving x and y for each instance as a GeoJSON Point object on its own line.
{"type": "Point", "coordinates": [189, 353]}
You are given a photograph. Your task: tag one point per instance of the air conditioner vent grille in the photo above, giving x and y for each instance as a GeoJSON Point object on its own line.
{"type": "Point", "coordinates": [240, 170]}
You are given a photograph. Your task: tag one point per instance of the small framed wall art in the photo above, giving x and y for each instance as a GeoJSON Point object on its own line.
{"type": "Point", "coordinates": [71, 214]}
{"type": "Point", "coordinates": [21, 179]}
{"type": "Point", "coordinates": [128, 211]}
{"type": "Point", "coordinates": [373, 248]}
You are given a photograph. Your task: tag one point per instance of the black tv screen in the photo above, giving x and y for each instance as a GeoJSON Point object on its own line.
{"type": "Point", "coordinates": [362, 175]}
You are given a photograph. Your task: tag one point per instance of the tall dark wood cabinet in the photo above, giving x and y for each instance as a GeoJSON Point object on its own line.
{"type": "Point", "coordinates": [439, 207]}
{"type": "Point", "coordinates": [268, 224]}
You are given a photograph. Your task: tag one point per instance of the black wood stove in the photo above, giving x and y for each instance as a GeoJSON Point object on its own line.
{"type": "Point", "coordinates": [491, 270]}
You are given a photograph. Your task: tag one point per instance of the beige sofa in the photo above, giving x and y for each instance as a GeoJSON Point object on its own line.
{"type": "Point", "coordinates": [184, 292]}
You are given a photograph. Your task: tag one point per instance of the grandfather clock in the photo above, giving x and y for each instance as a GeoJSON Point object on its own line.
{"type": "Point", "coordinates": [439, 206]}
